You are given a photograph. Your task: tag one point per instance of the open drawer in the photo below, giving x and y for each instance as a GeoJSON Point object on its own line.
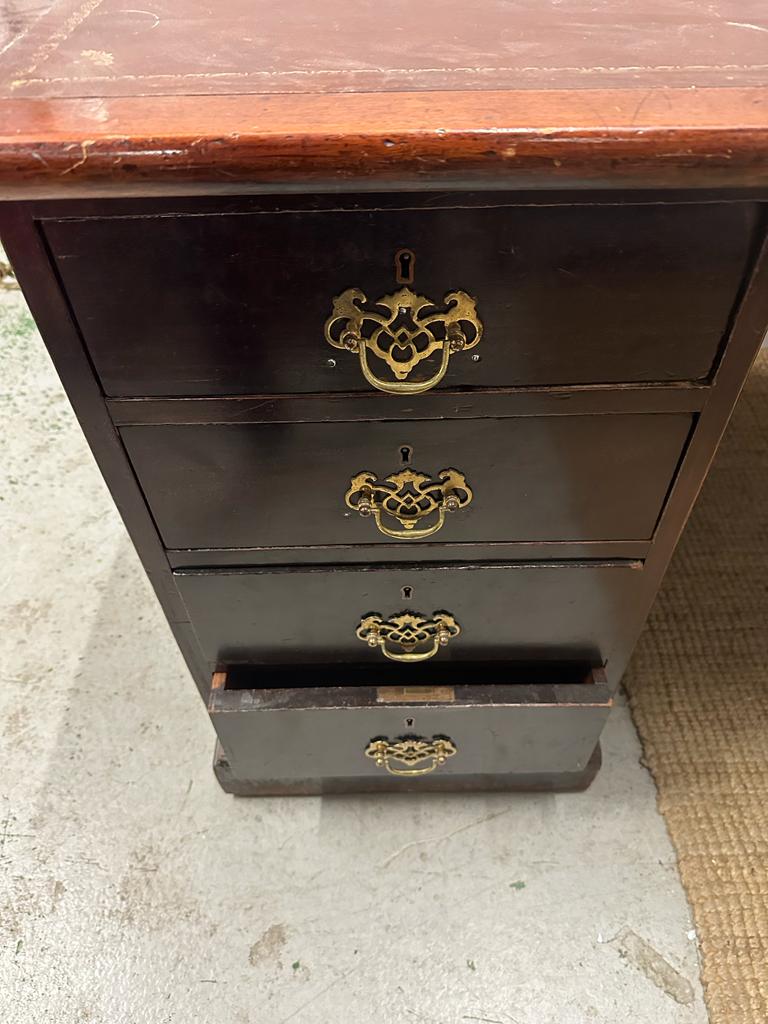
{"type": "Point", "coordinates": [455, 732]}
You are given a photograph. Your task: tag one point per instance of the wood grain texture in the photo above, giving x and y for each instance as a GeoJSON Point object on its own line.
{"type": "Point", "coordinates": [598, 138]}
{"type": "Point", "coordinates": [177, 95]}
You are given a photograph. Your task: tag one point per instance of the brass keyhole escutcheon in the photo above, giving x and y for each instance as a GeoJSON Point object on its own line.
{"type": "Point", "coordinates": [405, 266]}
{"type": "Point", "coordinates": [402, 330]}
{"type": "Point", "coordinates": [410, 499]}
{"type": "Point", "coordinates": [411, 751]}
{"type": "Point", "coordinates": [408, 636]}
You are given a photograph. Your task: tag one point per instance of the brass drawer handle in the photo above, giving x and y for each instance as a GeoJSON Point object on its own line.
{"type": "Point", "coordinates": [410, 751]}
{"type": "Point", "coordinates": [408, 631]}
{"type": "Point", "coordinates": [408, 497]}
{"type": "Point", "coordinates": [401, 330]}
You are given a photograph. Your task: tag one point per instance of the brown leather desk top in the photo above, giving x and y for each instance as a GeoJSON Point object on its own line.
{"type": "Point", "coordinates": [169, 94]}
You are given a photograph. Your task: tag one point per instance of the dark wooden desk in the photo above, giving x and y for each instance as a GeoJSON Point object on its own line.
{"type": "Point", "coordinates": [403, 338]}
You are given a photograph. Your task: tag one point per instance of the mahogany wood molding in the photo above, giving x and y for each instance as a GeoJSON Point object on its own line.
{"type": "Point", "coordinates": [707, 137]}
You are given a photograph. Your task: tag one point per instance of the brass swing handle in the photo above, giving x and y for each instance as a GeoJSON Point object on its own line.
{"type": "Point", "coordinates": [401, 330]}
{"type": "Point", "coordinates": [410, 751]}
{"type": "Point", "coordinates": [409, 498]}
{"type": "Point", "coordinates": [418, 637]}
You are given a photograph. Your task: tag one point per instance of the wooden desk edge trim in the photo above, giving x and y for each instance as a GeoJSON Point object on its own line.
{"type": "Point", "coordinates": [64, 147]}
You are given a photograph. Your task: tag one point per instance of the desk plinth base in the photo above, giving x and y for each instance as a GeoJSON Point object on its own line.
{"type": "Point", "coordinates": [518, 782]}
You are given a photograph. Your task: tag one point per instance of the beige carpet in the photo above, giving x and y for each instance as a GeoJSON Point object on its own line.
{"type": "Point", "coordinates": [698, 687]}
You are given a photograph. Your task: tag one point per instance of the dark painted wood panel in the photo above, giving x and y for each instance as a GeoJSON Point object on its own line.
{"type": "Point", "coordinates": [364, 197]}
{"type": "Point", "coordinates": [235, 304]}
{"type": "Point", "coordinates": [533, 479]}
{"type": "Point", "coordinates": [49, 308]}
{"type": "Point", "coordinates": [568, 612]}
{"type": "Point", "coordinates": [600, 399]}
{"type": "Point", "coordinates": [290, 736]}
{"type": "Point", "coordinates": [506, 782]}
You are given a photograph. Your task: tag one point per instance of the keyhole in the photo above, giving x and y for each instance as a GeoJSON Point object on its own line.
{"type": "Point", "coordinates": [406, 454]}
{"type": "Point", "coordinates": [409, 723]}
{"type": "Point", "coordinates": [405, 265]}
{"type": "Point", "coordinates": [407, 593]}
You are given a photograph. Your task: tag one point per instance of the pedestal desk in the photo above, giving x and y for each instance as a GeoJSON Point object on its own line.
{"type": "Point", "coordinates": [403, 337]}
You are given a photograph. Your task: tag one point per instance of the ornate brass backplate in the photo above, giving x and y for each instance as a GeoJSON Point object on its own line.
{"type": "Point", "coordinates": [417, 636]}
{"type": "Point", "coordinates": [401, 330]}
{"type": "Point", "coordinates": [410, 498]}
{"type": "Point", "coordinates": [410, 751]}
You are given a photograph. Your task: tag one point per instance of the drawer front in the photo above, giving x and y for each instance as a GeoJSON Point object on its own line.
{"type": "Point", "coordinates": [367, 616]}
{"type": "Point", "coordinates": [286, 736]}
{"type": "Point", "coordinates": [518, 479]}
{"type": "Point", "coordinates": [237, 303]}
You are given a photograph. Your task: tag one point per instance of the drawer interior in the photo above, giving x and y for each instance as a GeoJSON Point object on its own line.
{"type": "Point", "coordinates": [440, 675]}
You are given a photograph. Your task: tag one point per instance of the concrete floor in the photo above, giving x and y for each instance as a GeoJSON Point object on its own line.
{"type": "Point", "coordinates": [133, 890]}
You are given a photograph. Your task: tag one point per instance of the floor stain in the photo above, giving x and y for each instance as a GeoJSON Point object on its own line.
{"type": "Point", "coordinates": [21, 901]}
{"type": "Point", "coordinates": [268, 947]}
{"type": "Point", "coordinates": [16, 725]}
{"type": "Point", "coordinates": [58, 891]}
{"type": "Point", "coordinates": [641, 955]}
{"type": "Point", "coordinates": [150, 893]}
{"type": "Point", "coordinates": [30, 612]}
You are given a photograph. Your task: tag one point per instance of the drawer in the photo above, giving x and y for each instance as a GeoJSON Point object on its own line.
{"type": "Point", "coordinates": [280, 740]}
{"type": "Point", "coordinates": [537, 478]}
{"type": "Point", "coordinates": [401, 619]}
{"type": "Point", "coordinates": [236, 301]}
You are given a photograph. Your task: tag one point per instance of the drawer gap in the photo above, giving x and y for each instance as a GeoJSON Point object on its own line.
{"type": "Point", "coordinates": [480, 674]}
